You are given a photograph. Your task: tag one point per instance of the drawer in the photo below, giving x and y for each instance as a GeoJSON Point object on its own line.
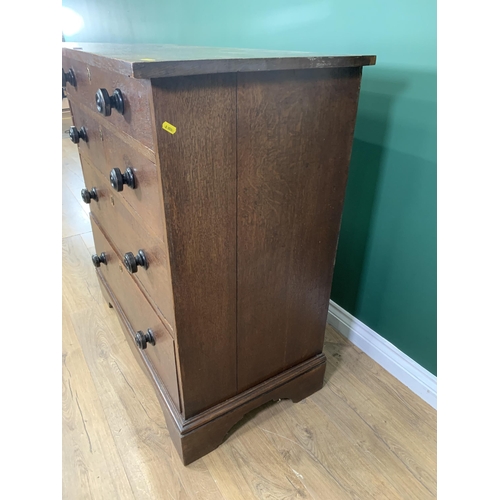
{"type": "Point", "coordinates": [139, 313]}
{"type": "Point", "coordinates": [106, 151]}
{"type": "Point", "coordinates": [93, 147]}
{"type": "Point", "coordinates": [129, 234]}
{"type": "Point", "coordinates": [145, 198]}
{"type": "Point", "coordinates": [136, 120]}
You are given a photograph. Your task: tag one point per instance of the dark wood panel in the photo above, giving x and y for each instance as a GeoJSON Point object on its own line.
{"type": "Point", "coordinates": [105, 151]}
{"type": "Point", "coordinates": [93, 148]}
{"type": "Point", "coordinates": [157, 61]}
{"type": "Point", "coordinates": [129, 234]}
{"type": "Point", "coordinates": [136, 120]}
{"type": "Point", "coordinates": [207, 432]}
{"type": "Point", "coordinates": [198, 168]}
{"type": "Point", "coordinates": [295, 132]}
{"type": "Point", "coordinates": [145, 199]}
{"type": "Point", "coordinates": [139, 314]}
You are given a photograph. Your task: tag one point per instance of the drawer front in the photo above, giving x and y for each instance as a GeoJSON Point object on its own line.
{"type": "Point", "coordinates": [93, 147]}
{"type": "Point", "coordinates": [106, 151]}
{"type": "Point", "coordinates": [129, 234]}
{"type": "Point", "coordinates": [136, 120]}
{"type": "Point", "coordinates": [139, 313]}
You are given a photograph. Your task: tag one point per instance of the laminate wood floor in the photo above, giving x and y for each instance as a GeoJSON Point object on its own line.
{"type": "Point", "coordinates": [363, 436]}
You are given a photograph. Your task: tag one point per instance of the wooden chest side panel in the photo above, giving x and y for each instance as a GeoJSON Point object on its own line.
{"type": "Point", "coordinates": [198, 170]}
{"type": "Point", "coordinates": [295, 131]}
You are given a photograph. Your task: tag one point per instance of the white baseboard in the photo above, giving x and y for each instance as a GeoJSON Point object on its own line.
{"type": "Point", "coordinates": [415, 377]}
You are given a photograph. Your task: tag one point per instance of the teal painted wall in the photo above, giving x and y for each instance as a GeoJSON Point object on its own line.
{"type": "Point", "coordinates": [385, 272]}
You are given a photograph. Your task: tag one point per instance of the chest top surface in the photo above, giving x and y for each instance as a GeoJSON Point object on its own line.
{"type": "Point", "coordinates": [159, 61]}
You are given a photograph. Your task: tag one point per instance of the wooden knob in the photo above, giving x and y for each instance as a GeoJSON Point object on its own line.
{"type": "Point", "coordinates": [88, 196]}
{"type": "Point", "coordinates": [68, 77]}
{"type": "Point", "coordinates": [105, 103]}
{"type": "Point", "coordinates": [142, 339]}
{"type": "Point", "coordinates": [131, 261]}
{"type": "Point", "coordinates": [75, 134]}
{"type": "Point", "coordinates": [97, 260]}
{"type": "Point", "coordinates": [118, 179]}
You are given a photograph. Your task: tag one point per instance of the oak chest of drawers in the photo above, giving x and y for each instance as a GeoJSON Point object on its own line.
{"type": "Point", "coordinates": [216, 180]}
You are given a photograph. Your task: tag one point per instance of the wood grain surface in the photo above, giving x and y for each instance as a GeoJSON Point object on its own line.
{"type": "Point", "coordinates": [363, 436]}
{"type": "Point", "coordinates": [128, 233]}
{"type": "Point", "coordinates": [157, 61]}
{"type": "Point", "coordinates": [97, 470]}
{"type": "Point", "coordinates": [93, 148]}
{"type": "Point", "coordinates": [136, 119]}
{"type": "Point", "coordinates": [198, 169]}
{"type": "Point", "coordinates": [105, 151]}
{"type": "Point", "coordinates": [140, 314]}
{"type": "Point", "coordinates": [295, 132]}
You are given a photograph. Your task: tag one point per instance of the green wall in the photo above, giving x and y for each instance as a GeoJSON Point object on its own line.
{"type": "Point", "coordinates": [385, 272]}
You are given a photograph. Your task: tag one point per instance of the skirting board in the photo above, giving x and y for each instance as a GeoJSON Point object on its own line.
{"type": "Point", "coordinates": [415, 377]}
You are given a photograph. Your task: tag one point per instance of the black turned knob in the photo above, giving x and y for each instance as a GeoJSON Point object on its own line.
{"type": "Point", "coordinates": [97, 260]}
{"type": "Point", "coordinates": [88, 196]}
{"type": "Point", "coordinates": [142, 339]}
{"type": "Point", "coordinates": [131, 262]}
{"type": "Point", "coordinates": [68, 77]}
{"type": "Point", "coordinates": [105, 103]}
{"type": "Point", "coordinates": [75, 134]}
{"type": "Point", "coordinates": [118, 179]}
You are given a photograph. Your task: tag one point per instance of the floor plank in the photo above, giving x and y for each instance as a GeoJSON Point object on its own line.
{"type": "Point", "coordinates": [75, 220]}
{"type": "Point", "coordinates": [408, 435]}
{"type": "Point", "coordinates": [374, 376]}
{"type": "Point", "coordinates": [130, 406]}
{"type": "Point", "coordinates": [96, 470]}
{"type": "Point", "coordinates": [316, 434]}
{"type": "Point", "coordinates": [249, 466]}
